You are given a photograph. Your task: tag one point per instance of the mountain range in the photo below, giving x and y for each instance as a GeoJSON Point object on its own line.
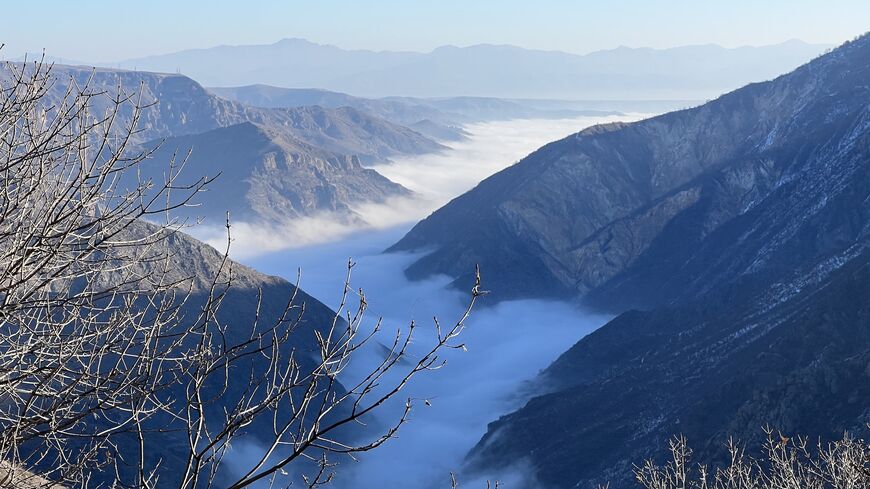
{"type": "Point", "coordinates": [407, 110]}
{"type": "Point", "coordinates": [732, 240]}
{"type": "Point", "coordinates": [289, 161]}
{"type": "Point", "coordinates": [265, 175]}
{"type": "Point", "coordinates": [177, 106]}
{"type": "Point", "coordinates": [693, 72]}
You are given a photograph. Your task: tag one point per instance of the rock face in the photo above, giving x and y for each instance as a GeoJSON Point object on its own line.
{"type": "Point", "coordinates": [740, 227]}
{"type": "Point", "coordinates": [264, 175]}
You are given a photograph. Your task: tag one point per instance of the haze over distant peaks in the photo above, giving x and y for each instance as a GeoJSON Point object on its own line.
{"type": "Point", "coordinates": [688, 72]}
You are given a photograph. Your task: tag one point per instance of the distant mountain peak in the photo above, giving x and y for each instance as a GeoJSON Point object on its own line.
{"type": "Point", "coordinates": [494, 70]}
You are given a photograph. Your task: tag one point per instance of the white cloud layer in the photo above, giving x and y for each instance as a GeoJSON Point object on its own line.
{"type": "Point", "coordinates": [436, 178]}
{"type": "Point", "coordinates": [507, 345]}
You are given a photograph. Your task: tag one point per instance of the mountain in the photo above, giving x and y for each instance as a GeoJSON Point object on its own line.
{"type": "Point", "coordinates": [265, 175]}
{"type": "Point", "coordinates": [736, 235]}
{"type": "Point", "coordinates": [253, 301]}
{"type": "Point", "coordinates": [275, 163]}
{"type": "Point", "coordinates": [575, 214]}
{"type": "Point", "coordinates": [694, 72]}
{"type": "Point", "coordinates": [348, 131]}
{"type": "Point", "coordinates": [293, 62]}
{"type": "Point", "coordinates": [438, 118]}
{"type": "Point", "coordinates": [177, 105]}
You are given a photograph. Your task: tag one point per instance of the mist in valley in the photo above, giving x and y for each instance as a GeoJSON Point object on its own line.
{"type": "Point", "coordinates": [434, 178]}
{"type": "Point", "coordinates": [670, 221]}
{"type": "Point", "coordinates": [507, 343]}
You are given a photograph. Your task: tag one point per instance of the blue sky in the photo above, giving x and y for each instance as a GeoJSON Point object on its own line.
{"type": "Point", "coordinates": [103, 30]}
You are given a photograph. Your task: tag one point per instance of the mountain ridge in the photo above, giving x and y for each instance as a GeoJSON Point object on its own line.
{"type": "Point", "coordinates": [652, 169]}
{"type": "Point", "coordinates": [742, 265]}
{"type": "Point", "coordinates": [480, 70]}
{"type": "Point", "coordinates": [266, 176]}
{"type": "Point", "coordinates": [178, 105]}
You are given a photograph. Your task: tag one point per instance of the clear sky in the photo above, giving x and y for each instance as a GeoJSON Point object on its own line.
{"type": "Point", "coordinates": [104, 30]}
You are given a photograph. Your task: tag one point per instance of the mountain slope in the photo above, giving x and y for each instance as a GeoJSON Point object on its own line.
{"type": "Point", "coordinates": [577, 214]}
{"type": "Point", "coordinates": [694, 72]}
{"type": "Point", "coordinates": [263, 175]}
{"type": "Point", "coordinates": [725, 366]}
{"type": "Point", "coordinates": [177, 105]}
{"type": "Point", "coordinates": [253, 302]}
{"type": "Point", "coordinates": [438, 118]}
{"type": "Point", "coordinates": [741, 227]}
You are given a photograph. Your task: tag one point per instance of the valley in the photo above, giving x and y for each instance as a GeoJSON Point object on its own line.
{"type": "Point", "coordinates": [378, 245]}
{"type": "Point", "coordinates": [431, 181]}
{"type": "Point", "coordinates": [476, 386]}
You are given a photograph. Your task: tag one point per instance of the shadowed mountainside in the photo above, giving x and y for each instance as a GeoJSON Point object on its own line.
{"type": "Point", "coordinates": [741, 228]}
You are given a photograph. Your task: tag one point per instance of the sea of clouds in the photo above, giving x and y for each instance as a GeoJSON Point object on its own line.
{"type": "Point", "coordinates": [435, 179]}
{"type": "Point", "coordinates": [506, 343]}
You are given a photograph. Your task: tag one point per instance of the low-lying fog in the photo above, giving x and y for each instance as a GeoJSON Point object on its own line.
{"type": "Point", "coordinates": [435, 178]}
{"type": "Point", "coordinates": [507, 343]}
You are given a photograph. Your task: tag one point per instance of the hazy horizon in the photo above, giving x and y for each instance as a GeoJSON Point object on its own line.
{"type": "Point", "coordinates": [581, 27]}
{"type": "Point", "coordinates": [108, 63]}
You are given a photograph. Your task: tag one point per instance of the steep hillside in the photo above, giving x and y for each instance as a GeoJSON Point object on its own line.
{"type": "Point", "coordinates": [177, 105]}
{"type": "Point", "coordinates": [728, 365]}
{"type": "Point", "coordinates": [741, 227]}
{"type": "Point", "coordinates": [253, 302]}
{"type": "Point", "coordinates": [264, 175]}
{"type": "Point", "coordinates": [595, 213]}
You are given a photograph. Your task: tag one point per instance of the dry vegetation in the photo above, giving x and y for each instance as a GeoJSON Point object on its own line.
{"type": "Point", "coordinates": [787, 463]}
{"type": "Point", "coordinates": [105, 343]}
